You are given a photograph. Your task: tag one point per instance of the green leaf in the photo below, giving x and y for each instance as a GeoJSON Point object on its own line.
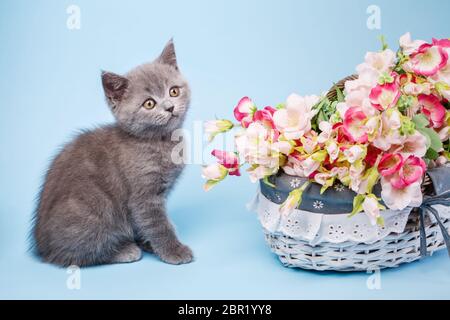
{"type": "Point", "coordinates": [435, 141]}
{"type": "Point", "coordinates": [319, 156]}
{"type": "Point", "coordinates": [371, 176]}
{"type": "Point", "coordinates": [357, 204]}
{"type": "Point", "coordinates": [340, 95]}
{"type": "Point", "coordinates": [380, 221]}
{"type": "Point", "coordinates": [267, 182]}
{"type": "Point", "coordinates": [420, 121]}
{"type": "Point", "coordinates": [320, 104]}
{"type": "Point", "coordinates": [431, 154]}
{"type": "Point", "coordinates": [384, 44]}
{"type": "Point", "coordinates": [385, 78]}
{"type": "Point", "coordinates": [321, 117]}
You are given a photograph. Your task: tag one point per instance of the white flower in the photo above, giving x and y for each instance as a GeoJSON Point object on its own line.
{"type": "Point", "coordinates": [408, 46]}
{"type": "Point", "coordinates": [214, 173]}
{"type": "Point", "coordinates": [342, 108]}
{"type": "Point", "coordinates": [301, 168]}
{"type": "Point", "coordinates": [215, 127]}
{"type": "Point", "coordinates": [379, 61]}
{"type": "Point", "coordinates": [322, 177]}
{"type": "Point", "coordinates": [399, 199]}
{"type": "Point", "coordinates": [283, 147]}
{"type": "Point", "coordinates": [295, 183]}
{"type": "Point", "coordinates": [295, 120]}
{"type": "Point", "coordinates": [355, 153]}
{"type": "Point", "coordinates": [415, 89]}
{"type": "Point", "coordinates": [390, 133]}
{"type": "Point", "coordinates": [333, 150]}
{"type": "Point", "coordinates": [326, 129]}
{"type": "Point", "coordinates": [255, 147]}
{"type": "Point", "coordinates": [318, 205]}
{"type": "Point", "coordinates": [371, 209]}
{"type": "Point", "coordinates": [413, 145]}
{"type": "Point", "coordinates": [355, 174]}
{"type": "Point", "coordinates": [259, 172]}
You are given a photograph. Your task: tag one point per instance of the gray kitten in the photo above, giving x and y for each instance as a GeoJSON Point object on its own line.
{"type": "Point", "coordinates": [103, 199]}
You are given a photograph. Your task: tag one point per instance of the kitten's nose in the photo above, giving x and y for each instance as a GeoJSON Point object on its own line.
{"type": "Point", "coordinates": [170, 109]}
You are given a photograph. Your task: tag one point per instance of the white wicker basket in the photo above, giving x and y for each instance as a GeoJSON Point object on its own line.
{"type": "Point", "coordinates": [389, 252]}
{"type": "Point", "coordinates": [317, 238]}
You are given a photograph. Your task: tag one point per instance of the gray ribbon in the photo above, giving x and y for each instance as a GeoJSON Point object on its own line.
{"type": "Point", "coordinates": [426, 208]}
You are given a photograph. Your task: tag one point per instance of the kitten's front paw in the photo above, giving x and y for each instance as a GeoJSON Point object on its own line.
{"type": "Point", "coordinates": [178, 254]}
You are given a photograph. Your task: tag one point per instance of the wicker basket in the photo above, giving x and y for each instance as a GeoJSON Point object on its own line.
{"type": "Point", "coordinates": [390, 251]}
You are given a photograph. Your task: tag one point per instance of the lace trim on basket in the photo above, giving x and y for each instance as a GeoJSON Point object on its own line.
{"type": "Point", "coordinates": [318, 228]}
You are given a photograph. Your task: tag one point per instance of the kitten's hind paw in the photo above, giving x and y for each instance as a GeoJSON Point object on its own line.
{"type": "Point", "coordinates": [178, 254]}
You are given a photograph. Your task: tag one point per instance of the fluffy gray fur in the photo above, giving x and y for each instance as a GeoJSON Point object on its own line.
{"type": "Point", "coordinates": [103, 199]}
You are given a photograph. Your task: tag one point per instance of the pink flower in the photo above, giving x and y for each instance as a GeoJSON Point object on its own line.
{"type": "Point", "coordinates": [433, 109]}
{"type": "Point", "coordinates": [265, 116]}
{"type": "Point", "coordinates": [244, 111]}
{"type": "Point", "coordinates": [229, 160]}
{"type": "Point", "coordinates": [390, 164]}
{"type": "Point", "coordinates": [411, 171]}
{"type": "Point", "coordinates": [428, 60]}
{"type": "Point", "coordinates": [372, 155]}
{"type": "Point", "coordinates": [444, 43]}
{"type": "Point", "coordinates": [385, 96]}
{"type": "Point", "coordinates": [354, 125]}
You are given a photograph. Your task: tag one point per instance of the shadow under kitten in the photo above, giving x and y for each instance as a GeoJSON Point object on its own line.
{"type": "Point", "coordinates": [103, 198]}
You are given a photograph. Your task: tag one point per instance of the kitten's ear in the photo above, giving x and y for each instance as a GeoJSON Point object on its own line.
{"type": "Point", "coordinates": [168, 55]}
{"type": "Point", "coordinates": [114, 86]}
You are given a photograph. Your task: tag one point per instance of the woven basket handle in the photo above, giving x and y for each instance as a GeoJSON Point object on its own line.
{"type": "Point", "coordinates": [332, 94]}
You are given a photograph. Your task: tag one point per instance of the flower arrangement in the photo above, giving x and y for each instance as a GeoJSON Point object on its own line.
{"type": "Point", "coordinates": [387, 126]}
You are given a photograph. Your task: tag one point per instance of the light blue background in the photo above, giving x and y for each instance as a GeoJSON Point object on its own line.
{"type": "Point", "coordinates": [49, 87]}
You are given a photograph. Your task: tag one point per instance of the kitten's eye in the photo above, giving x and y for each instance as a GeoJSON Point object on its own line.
{"type": "Point", "coordinates": [149, 104]}
{"type": "Point", "coordinates": [174, 91]}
